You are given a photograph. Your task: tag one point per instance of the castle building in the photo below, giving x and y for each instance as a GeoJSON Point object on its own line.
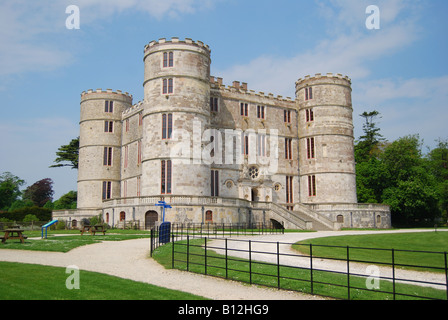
{"type": "Point", "coordinates": [219, 154]}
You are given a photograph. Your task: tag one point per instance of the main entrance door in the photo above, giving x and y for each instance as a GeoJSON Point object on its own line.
{"type": "Point", "coordinates": [150, 219]}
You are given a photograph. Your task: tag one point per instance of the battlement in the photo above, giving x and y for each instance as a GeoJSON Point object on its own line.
{"type": "Point", "coordinates": [175, 40]}
{"type": "Point", "coordinates": [133, 109]}
{"type": "Point", "coordinates": [107, 91]}
{"type": "Point", "coordinates": [241, 87]}
{"type": "Point", "coordinates": [319, 76]}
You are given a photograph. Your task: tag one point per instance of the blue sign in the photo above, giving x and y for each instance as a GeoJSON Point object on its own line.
{"type": "Point", "coordinates": [164, 205]}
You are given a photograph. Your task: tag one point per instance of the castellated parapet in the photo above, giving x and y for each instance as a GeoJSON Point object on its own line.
{"type": "Point", "coordinates": [129, 156]}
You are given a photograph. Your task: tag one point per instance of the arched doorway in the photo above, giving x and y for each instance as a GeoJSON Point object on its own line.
{"type": "Point", "coordinates": [254, 194]}
{"type": "Point", "coordinates": [150, 219]}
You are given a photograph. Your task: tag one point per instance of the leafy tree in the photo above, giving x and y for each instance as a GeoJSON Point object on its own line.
{"type": "Point", "coordinates": [369, 144]}
{"type": "Point", "coordinates": [30, 218]}
{"type": "Point", "coordinates": [66, 201]}
{"type": "Point", "coordinates": [9, 189]}
{"type": "Point", "coordinates": [40, 192]}
{"type": "Point", "coordinates": [68, 153]}
{"type": "Point", "coordinates": [438, 165]}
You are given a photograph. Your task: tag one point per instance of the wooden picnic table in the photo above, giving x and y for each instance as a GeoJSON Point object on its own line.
{"type": "Point", "coordinates": [93, 229]}
{"type": "Point", "coordinates": [13, 233]}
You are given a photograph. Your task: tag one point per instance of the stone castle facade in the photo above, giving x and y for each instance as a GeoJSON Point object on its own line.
{"type": "Point", "coordinates": [219, 154]}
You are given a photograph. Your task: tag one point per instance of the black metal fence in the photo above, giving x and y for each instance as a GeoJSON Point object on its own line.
{"type": "Point", "coordinates": [181, 231]}
{"type": "Point", "coordinates": [388, 274]}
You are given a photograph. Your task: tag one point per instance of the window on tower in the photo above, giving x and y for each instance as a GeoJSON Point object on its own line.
{"type": "Point", "coordinates": [109, 106]}
{"type": "Point", "coordinates": [308, 93]}
{"type": "Point", "coordinates": [107, 157]}
{"type": "Point", "coordinates": [244, 109]}
{"type": "Point", "coordinates": [168, 59]}
{"type": "Point", "coordinates": [310, 153]}
{"type": "Point", "coordinates": [168, 87]}
{"type": "Point", "coordinates": [288, 148]}
{"type": "Point", "coordinates": [167, 126]}
{"type": "Point", "coordinates": [108, 126]}
{"type": "Point", "coordinates": [107, 190]}
{"type": "Point", "coordinates": [312, 186]}
{"type": "Point", "coordinates": [214, 183]}
{"type": "Point", "coordinates": [289, 189]}
{"type": "Point", "coordinates": [287, 116]}
{"type": "Point", "coordinates": [166, 177]}
{"type": "Point", "coordinates": [309, 115]}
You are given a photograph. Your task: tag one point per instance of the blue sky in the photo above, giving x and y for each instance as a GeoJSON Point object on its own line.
{"type": "Point", "coordinates": [399, 70]}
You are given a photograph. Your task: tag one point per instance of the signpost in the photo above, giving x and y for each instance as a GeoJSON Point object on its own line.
{"type": "Point", "coordinates": [165, 227]}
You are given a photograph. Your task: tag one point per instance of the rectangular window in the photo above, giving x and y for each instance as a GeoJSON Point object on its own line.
{"type": "Point", "coordinates": [127, 125]}
{"type": "Point", "coordinates": [245, 144]}
{"type": "Point", "coordinates": [107, 190]}
{"type": "Point", "coordinates": [214, 183]}
{"type": "Point", "coordinates": [288, 148]}
{"type": "Point", "coordinates": [312, 186]}
{"type": "Point", "coordinates": [260, 112]}
{"type": "Point", "coordinates": [287, 116]}
{"type": "Point", "coordinates": [244, 109]}
{"type": "Point", "coordinates": [139, 184]}
{"type": "Point", "coordinates": [140, 118]}
{"type": "Point", "coordinates": [168, 59]}
{"type": "Point", "coordinates": [261, 145]}
{"type": "Point", "coordinates": [214, 104]}
{"type": "Point", "coordinates": [309, 115]}
{"type": "Point", "coordinates": [139, 152]}
{"type": "Point", "coordinates": [108, 126]}
{"type": "Point", "coordinates": [289, 192]}
{"type": "Point", "coordinates": [171, 59]}
{"type": "Point", "coordinates": [107, 157]}
{"type": "Point", "coordinates": [109, 106]}
{"type": "Point", "coordinates": [166, 177]}
{"type": "Point", "coordinates": [310, 148]}
{"type": "Point", "coordinates": [126, 156]}
{"type": "Point", "coordinates": [167, 126]}
{"type": "Point", "coordinates": [308, 93]}
{"type": "Point", "coordinates": [168, 87]}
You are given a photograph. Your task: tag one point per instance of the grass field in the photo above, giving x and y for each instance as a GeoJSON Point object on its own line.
{"type": "Point", "coordinates": [35, 282]}
{"type": "Point", "coordinates": [68, 240]}
{"type": "Point", "coordinates": [402, 243]}
{"type": "Point", "coordinates": [284, 277]}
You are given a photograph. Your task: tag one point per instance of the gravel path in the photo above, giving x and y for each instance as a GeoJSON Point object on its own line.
{"type": "Point", "coordinates": [129, 260]}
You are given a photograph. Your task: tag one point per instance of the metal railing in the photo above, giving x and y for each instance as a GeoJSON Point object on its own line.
{"type": "Point", "coordinates": [272, 264]}
{"type": "Point", "coordinates": [181, 231]}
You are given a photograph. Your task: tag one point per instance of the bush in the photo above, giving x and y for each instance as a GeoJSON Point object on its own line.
{"type": "Point", "coordinates": [42, 214]}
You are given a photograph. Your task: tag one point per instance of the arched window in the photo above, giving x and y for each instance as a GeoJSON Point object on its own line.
{"type": "Point", "coordinates": [340, 218]}
{"type": "Point", "coordinates": [209, 216]}
{"type": "Point", "coordinates": [122, 216]}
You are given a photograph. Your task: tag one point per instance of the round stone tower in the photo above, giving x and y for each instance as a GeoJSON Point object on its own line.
{"type": "Point", "coordinates": [99, 168]}
{"type": "Point", "coordinates": [177, 98]}
{"type": "Point", "coordinates": [326, 141]}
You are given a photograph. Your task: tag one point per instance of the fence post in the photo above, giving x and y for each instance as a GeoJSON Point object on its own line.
{"type": "Point", "coordinates": [205, 256]}
{"type": "Point", "coordinates": [250, 261]}
{"type": "Point", "coordinates": [446, 275]}
{"type": "Point", "coordinates": [227, 275]}
{"type": "Point", "coordinates": [393, 272]}
{"type": "Point", "coordinates": [172, 254]}
{"type": "Point", "coordinates": [348, 273]}
{"type": "Point", "coordinates": [188, 252]}
{"type": "Point", "coordinates": [151, 244]}
{"type": "Point", "coordinates": [278, 265]}
{"type": "Point", "coordinates": [311, 268]}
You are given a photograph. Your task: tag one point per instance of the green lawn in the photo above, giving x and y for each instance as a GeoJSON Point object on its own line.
{"type": "Point", "coordinates": [289, 278]}
{"type": "Point", "coordinates": [35, 282]}
{"type": "Point", "coordinates": [336, 247]}
{"type": "Point", "coordinates": [68, 242]}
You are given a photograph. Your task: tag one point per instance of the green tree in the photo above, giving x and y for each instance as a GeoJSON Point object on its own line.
{"type": "Point", "coordinates": [369, 144]}
{"type": "Point", "coordinates": [9, 189]}
{"type": "Point", "coordinates": [68, 153]}
{"type": "Point", "coordinates": [411, 193]}
{"type": "Point", "coordinates": [438, 165]}
{"type": "Point", "coordinates": [66, 201]}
